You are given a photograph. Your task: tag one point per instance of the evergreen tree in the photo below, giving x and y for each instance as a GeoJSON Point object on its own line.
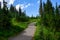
{"type": "Point", "coordinates": [48, 10]}
{"type": "Point", "coordinates": [20, 12]}
{"type": "Point", "coordinates": [22, 16]}
{"type": "Point", "coordinates": [44, 14]}
{"type": "Point", "coordinates": [57, 17]}
{"type": "Point", "coordinates": [12, 8]}
{"type": "Point", "coordinates": [49, 15]}
{"type": "Point", "coordinates": [5, 19]}
{"type": "Point", "coordinates": [41, 11]}
{"type": "Point", "coordinates": [13, 11]}
{"type": "Point", "coordinates": [0, 5]}
{"type": "Point", "coordinates": [40, 8]}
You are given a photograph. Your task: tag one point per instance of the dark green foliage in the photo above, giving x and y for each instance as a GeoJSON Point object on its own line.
{"type": "Point", "coordinates": [12, 8]}
{"type": "Point", "coordinates": [13, 12]}
{"type": "Point", "coordinates": [20, 12]}
{"type": "Point", "coordinates": [44, 33]}
{"type": "Point", "coordinates": [49, 25]}
{"type": "Point", "coordinates": [22, 16]}
{"type": "Point", "coordinates": [57, 17]}
{"type": "Point", "coordinates": [7, 28]}
{"type": "Point", "coordinates": [50, 16]}
{"type": "Point", "coordinates": [14, 30]}
{"type": "Point", "coordinates": [4, 20]}
{"type": "Point", "coordinates": [0, 5]}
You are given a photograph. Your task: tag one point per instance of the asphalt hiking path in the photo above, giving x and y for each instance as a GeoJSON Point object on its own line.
{"type": "Point", "coordinates": [27, 34]}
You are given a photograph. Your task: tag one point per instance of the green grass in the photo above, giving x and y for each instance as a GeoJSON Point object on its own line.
{"type": "Point", "coordinates": [20, 24]}
{"type": "Point", "coordinates": [37, 33]}
{"type": "Point", "coordinates": [14, 30]}
{"type": "Point", "coordinates": [43, 33]}
{"type": "Point", "coordinates": [33, 20]}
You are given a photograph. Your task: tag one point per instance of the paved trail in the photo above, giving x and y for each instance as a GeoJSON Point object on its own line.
{"type": "Point", "coordinates": [26, 34]}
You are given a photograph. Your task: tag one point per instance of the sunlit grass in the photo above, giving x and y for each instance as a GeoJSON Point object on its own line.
{"type": "Point", "coordinates": [16, 28]}
{"type": "Point", "coordinates": [43, 33]}
{"type": "Point", "coordinates": [20, 24]}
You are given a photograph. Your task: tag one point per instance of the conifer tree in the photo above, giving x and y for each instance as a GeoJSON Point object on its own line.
{"type": "Point", "coordinates": [40, 8]}
{"type": "Point", "coordinates": [20, 12]}
{"type": "Point", "coordinates": [57, 17]}
{"type": "Point", "coordinates": [41, 11]}
{"type": "Point", "coordinates": [13, 11]}
{"type": "Point", "coordinates": [12, 8]}
{"type": "Point", "coordinates": [5, 19]}
{"type": "Point", "coordinates": [0, 5]}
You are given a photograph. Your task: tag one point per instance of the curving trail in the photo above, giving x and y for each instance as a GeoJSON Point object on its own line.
{"type": "Point", "coordinates": [27, 34]}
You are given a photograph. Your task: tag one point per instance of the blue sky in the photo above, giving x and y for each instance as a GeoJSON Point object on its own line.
{"type": "Point", "coordinates": [30, 6]}
{"type": "Point", "coordinates": [33, 8]}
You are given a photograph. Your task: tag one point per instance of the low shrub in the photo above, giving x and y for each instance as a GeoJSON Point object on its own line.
{"type": "Point", "coordinates": [44, 33]}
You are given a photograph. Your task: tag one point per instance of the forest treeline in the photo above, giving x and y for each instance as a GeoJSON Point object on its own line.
{"type": "Point", "coordinates": [6, 15]}
{"type": "Point", "coordinates": [48, 27]}
{"type": "Point", "coordinates": [11, 21]}
{"type": "Point", "coordinates": [50, 15]}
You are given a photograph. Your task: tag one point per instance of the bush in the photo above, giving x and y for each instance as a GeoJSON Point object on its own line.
{"type": "Point", "coordinates": [22, 19]}
{"type": "Point", "coordinates": [10, 32]}
{"type": "Point", "coordinates": [44, 33]}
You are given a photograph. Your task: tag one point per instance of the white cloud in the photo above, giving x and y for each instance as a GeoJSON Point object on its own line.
{"type": "Point", "coordinates": [28, 5]}
{"type": "Point", "coordinates": [11, 2]}
{"type": "Point", "coordinates": [1, 3]}
{"type": "Point", "coordinates": [19, 5]}
{"type": "Point", "coordinates": [0, 0]}
{"type": "Point", "coordinates": [22, 6]}
{"type": "Point", "coordinates": [38, 1]}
